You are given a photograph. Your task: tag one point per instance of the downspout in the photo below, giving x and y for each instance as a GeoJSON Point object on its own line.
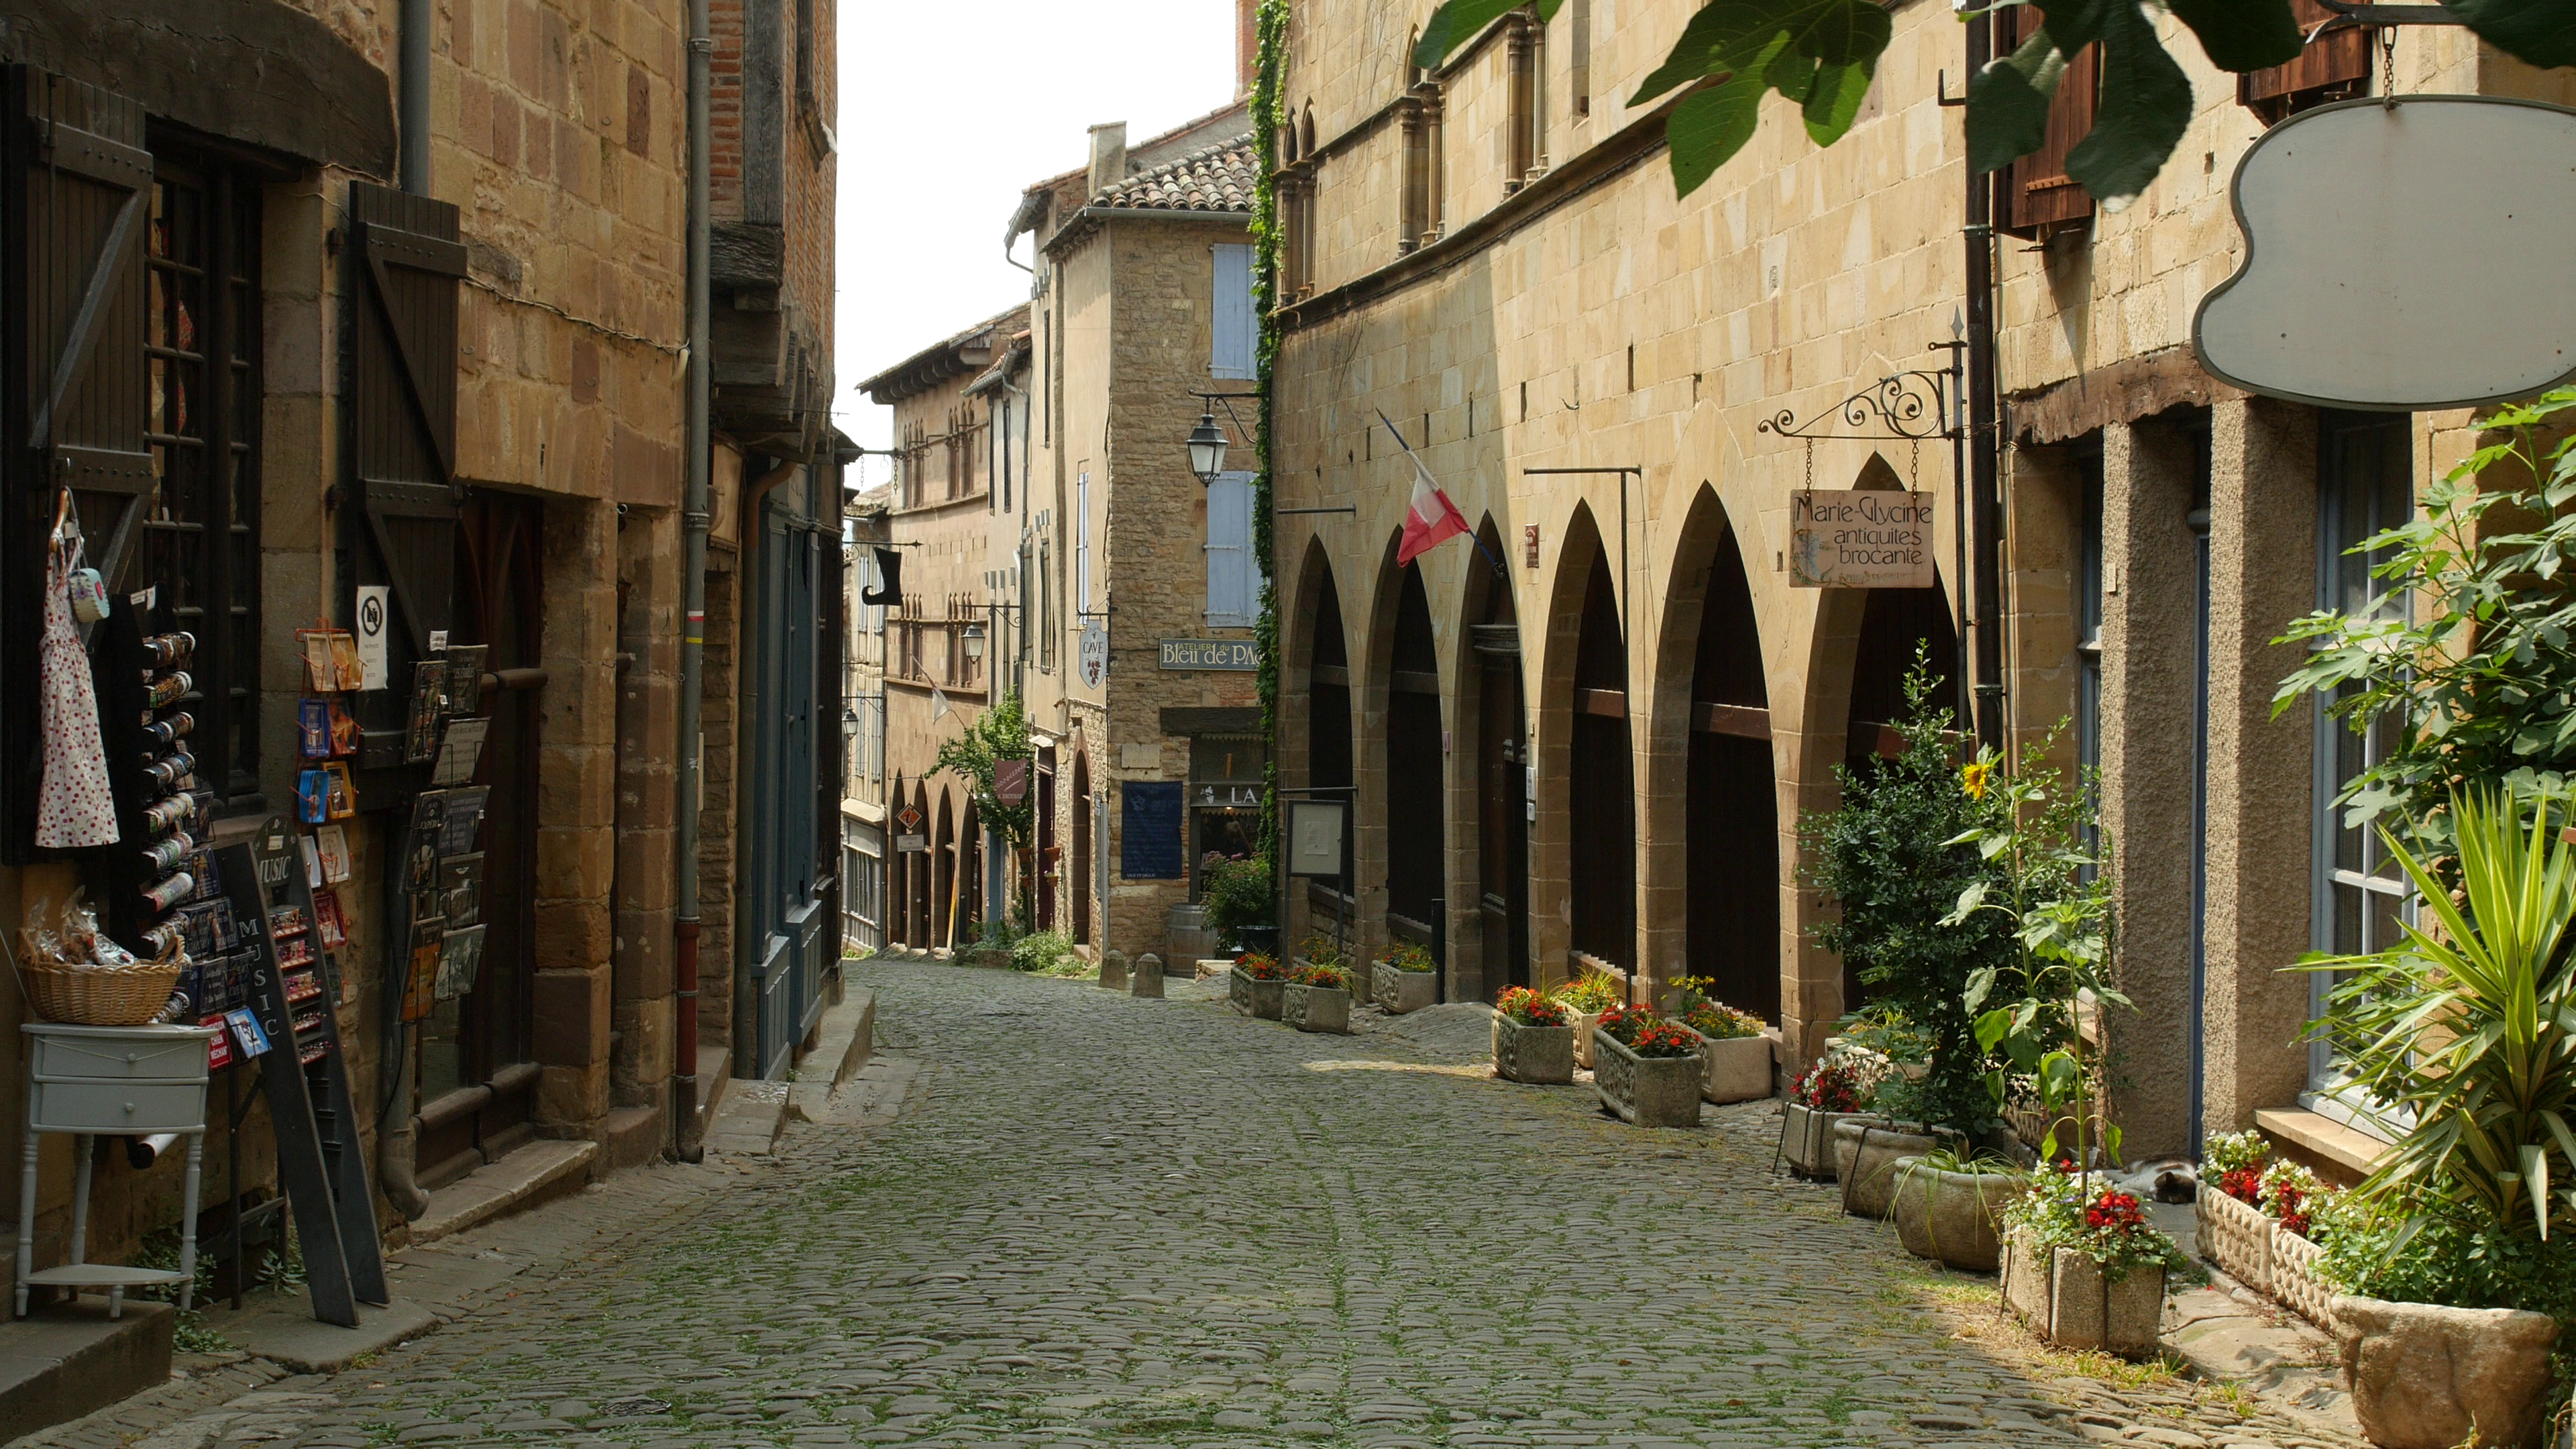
{"type": "Point", "coordinates": [397, 1144]}
{"type": "Point", "coordinates": [1986, 434]}
{"type": "Point", "coordinates": [687, 1143]}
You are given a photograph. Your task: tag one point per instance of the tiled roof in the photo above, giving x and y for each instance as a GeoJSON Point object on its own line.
{"type": "Point", "coordinates": [1222, 177]}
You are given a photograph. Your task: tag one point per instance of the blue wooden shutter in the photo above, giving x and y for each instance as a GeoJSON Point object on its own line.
{"type": "Point", "coordinates": [1233, 590]}
{"type": "Point", "coordinates": [1231, 338]}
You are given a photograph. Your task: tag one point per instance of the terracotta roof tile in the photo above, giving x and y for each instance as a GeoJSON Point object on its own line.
{"type": "Point", "coordinates": [1222, 177]}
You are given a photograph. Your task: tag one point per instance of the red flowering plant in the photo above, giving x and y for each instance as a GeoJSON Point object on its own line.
{"type": "Point", "coordinates": [1622, 1022]}
{"type": "Point", "coordinates": [2235, 1162]}
{"type": "Point", "coordinates": [1827, 1087]}
{"type": "Point", "coordinates": [1331, 978]}
{"type": "Point", "coordinates": [1528, 1008]}
{"type": "Point", "coordinates": [1259, 965]}
{"type": "Point", "coordinates": [1665, 1039]}
{"type": "Point", "coordinates": [2079, 1211]}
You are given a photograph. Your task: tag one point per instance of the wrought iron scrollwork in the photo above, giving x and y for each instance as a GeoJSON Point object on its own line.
{"type": "Point", "coordinates": [1902, 407]}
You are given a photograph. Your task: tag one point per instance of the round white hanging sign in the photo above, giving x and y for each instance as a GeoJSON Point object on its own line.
{"type": "Point", "coordinates": [2402, 258]}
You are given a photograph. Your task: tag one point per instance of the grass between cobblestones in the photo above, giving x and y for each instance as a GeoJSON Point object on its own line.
{"type": "Point", "coordinates": [1105, 1221]}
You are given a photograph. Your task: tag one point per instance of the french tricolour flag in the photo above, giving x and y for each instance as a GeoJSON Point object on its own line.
{"type": "Point", "coordinates": [1430, 519]}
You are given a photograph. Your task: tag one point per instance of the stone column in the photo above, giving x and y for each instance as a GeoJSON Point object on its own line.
{"type": "Point", "coordinates": [2263, 514]}
{"type": "Point", "coordinates": [2149, 622]}
{"type": "Point", "coordinates": [642, 1003]}
{"type": "Point", "coordinates": [576, 817]}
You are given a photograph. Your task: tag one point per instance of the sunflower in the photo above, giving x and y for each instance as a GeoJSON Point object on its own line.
{"type": "Point", "coordinates": [1975, 777]}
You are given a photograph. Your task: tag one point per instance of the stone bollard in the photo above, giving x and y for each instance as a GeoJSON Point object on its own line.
{"type": "Point", "coordinates": [1113, 971]}
{"type": "Point", "coordinates": [1149, 976]}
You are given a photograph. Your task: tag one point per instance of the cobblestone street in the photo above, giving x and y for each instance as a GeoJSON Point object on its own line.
{"type": "Point", "coordinates": [1099, 1220]}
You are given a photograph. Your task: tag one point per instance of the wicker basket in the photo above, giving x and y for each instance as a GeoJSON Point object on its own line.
{"type": "Point", "coordinates": [91, 995]}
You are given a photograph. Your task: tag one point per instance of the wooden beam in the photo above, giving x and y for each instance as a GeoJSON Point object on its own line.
{"type": "Point", "coordinates": [1607, 703]}
{"type": "Point", "coordinates": [1744, 721]}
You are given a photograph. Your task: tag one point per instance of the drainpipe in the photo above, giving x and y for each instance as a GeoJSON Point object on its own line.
{"type": "Point", "coordinates": [412, 94]}
{"type": "Point", "coordinates": [1986, 436]}
{"type": "Point", "coordinates": [686, 1142]}
{"type": "Point", "coordinates": [397, 1147]}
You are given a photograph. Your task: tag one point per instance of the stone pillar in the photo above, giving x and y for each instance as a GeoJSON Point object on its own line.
{"type": "Point", "coordinates": [1113, 970]}
{"type": "Point", "coordinates": [2149, 624]}
{"type": "Point", "coordinates": [1148, 980]}
{"type": "Point", "coordinates": [2263, 514]}
{"type": "Point", "coordinates": [642, 1004]}
{"type": "Point", "coordinates": [576, 817]}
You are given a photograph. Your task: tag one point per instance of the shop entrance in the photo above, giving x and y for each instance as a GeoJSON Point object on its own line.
{"type": "Point", "coordinates": [1734, 830]}
{"type": "Point", "coordinates": [1502, 814]}
{"type": "Point", "coordinates": [478, 1074]}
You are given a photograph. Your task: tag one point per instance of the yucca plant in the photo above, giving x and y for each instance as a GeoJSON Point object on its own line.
{"type": "Point", "coordinates": [2468, 1027]}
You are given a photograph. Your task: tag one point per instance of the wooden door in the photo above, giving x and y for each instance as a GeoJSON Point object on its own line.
{"type": "Point", "coordinates": [482, 1042]}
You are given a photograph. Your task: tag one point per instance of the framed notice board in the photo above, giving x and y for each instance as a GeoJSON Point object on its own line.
{"type": "Point", "coordinates": [1150, 830]}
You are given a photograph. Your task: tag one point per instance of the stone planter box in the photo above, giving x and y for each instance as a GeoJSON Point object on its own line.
{"type": "Point", "coordinates": [1540, 1055]}
{"type": "Point", "coordinates": [1401, 991]}
{"type": "Point", "coordinates": [1315, 1008]}
{"type": "Point", "coordinates": [2235, 1236]}
{"type": "Point", "coordinates": [1649, 1091]}
{"type": "Point", "coordinates": [1582, 1023]}
{"type": "Point", "coordinates": [2294, 1277]}
{"type": "Point", "coordinates": [2071, 1303]}
{"type": "Point", "coordinates": [1865, 1153]}
{"type": "Point", "coordinates": [1952, 1217]}
{"type": "Point", "coordinates": [1739, 1069]}
{"type": "Point", "coordinates": [2430, 1378]}
{"type": "Point", "coordinates": [1253, 997]}
{"type": "Point", "coordinates": [1807, 1138]}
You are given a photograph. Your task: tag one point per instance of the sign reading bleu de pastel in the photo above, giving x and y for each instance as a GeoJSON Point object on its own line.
{"type": "Point", "coordinates": [1211, 654]}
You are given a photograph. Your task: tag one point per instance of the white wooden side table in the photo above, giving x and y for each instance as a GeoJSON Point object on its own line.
{"type": "Point", "coordinates": [119, 1081]}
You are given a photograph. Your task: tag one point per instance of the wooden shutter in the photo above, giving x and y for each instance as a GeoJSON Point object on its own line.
{"type": "Point", "coordinates": [1229, 551]}
{"type": "Point", "coordinates": [400, 322]}
{"type": "Point", "coordinates": [76, 195]}
{"type": "Point", "coordinates": [2334, 66]}
{"type": "Point", "coordinates": [2035, 194]}
{"type": "Point", "coordinates": [1231, 338]}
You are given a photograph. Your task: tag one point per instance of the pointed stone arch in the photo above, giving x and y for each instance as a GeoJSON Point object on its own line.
{"type": "Point", "coordinates": [1583, 893]}
{"type": "Point", "coordinates": [1489, 940]}
{"type": "Point", "coordinates": [1402, 847]}
{"type": "Point", "coordinates": [1313, 739]}
{"type": "Point", "coordinates": [1713, 844]}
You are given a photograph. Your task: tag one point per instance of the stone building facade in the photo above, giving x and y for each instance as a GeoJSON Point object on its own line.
{"type": "Point", "coordinates": [1588, 743]}
{"type": "Point", "coordinates": [455, 371]}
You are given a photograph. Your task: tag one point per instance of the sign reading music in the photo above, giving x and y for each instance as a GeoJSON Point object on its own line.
{"type": "Point", "coordinates": [1861, 539]}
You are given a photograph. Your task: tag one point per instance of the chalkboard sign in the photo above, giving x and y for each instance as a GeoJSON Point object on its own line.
{"type": "Point", "coordinates": [1150, 841]}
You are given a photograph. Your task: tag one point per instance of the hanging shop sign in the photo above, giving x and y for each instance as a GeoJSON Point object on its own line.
{"type": "Point", "coordinates": [1010, 782]}
{"type": "Point", "coordinates": [1091, 656]}
{"type": "Point", "coordinates": [1860, 539]}
{"type": "Point", "coordinates": [2401, 256]}
{"type": "Point", "coordinates": [1225, 654]}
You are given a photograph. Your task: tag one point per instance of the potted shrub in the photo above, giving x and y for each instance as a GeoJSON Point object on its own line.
{"type": "Point", "coordinates": [1866, 1152]}
{"type": "Point", "coordinates": [1235, 902]}
{"type": "Point", "coordinates": [1950, 1208]}
{"type": "Point", "coordinates": [1533, 1039]}
{"type": "Point", "coordinates": [1819, 1100]}
{"type": "Point", "coordinates": [1738, 1055]}
{"type": "Point", "coordinates": [1253, 986]}
{"type": "Point", "coordinates": [1584, 998]}
{"type": "Point", "coordinates": [1316, 998]}
{"type": "Point", "coordinates": [1407, 980]}
{"type": "Point", "coordinates": [1647, 1069]}
{"type": "Point", "coordinates": [2083, 1266]}
{"type": "Point", "coordinates": [2459, 1239]}
{"type": "Point", "coordinates": [2234, 1233]}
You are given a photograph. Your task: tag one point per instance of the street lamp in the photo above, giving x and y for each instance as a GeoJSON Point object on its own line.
{"type": "Point", "coordinates": [974, 643]}
{"type": "Point", "coordinates": [1207, 448]}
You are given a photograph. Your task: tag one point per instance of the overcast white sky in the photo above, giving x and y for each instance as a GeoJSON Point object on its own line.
{"type": "Point", "coordinates": [947, 111]}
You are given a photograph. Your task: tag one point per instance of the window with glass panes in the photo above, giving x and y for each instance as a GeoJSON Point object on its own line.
{"type": "Point", "coordinates": [2365, 486]}
{"type": "Point", "coordinates": [201, 535]}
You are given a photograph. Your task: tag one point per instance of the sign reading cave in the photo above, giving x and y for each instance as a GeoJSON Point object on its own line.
{"type": "Point", "coordinates": [1211, 654]}
{"type": "Point", "coordinates": [1863, 539]}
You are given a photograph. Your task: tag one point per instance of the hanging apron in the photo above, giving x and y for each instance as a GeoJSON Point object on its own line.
{"type": "Point", "coordinates": [74, 808]}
